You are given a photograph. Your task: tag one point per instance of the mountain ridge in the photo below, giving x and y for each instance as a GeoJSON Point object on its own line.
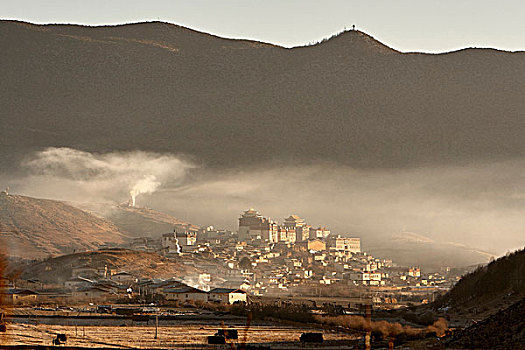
{"type": "Point", "coordinates": [346, 31]}
{"type": "Point", "coordinates": [156, 87]}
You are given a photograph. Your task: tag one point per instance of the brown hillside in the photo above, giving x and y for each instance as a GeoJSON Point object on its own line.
{"type": "Point", "coordinates": [140, 264]}
{"type": "Point", "coordinates": [501, 281]}
{"type": "Point", "coordinates": [504, 330]}
{"type": "Point", "coordinates": [161, 87]}
{"type": "Point", "coordinates": [484, 292]}
{"type": "Point", "coordinates": [34, 228]}
{"type": "Point", "coordinates": [138, 221]}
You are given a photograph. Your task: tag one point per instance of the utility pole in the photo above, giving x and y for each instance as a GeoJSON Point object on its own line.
{"type": "Point", "coordinates": [368, 316]}
{"type": "Point", "coordinates": [156, 325]}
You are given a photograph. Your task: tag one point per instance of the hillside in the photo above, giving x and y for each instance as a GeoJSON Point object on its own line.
{"type": "Point", "coordinates": [406, 248]}
{"type": "Point", "coordinates": [499, 282]}
{"type": "Point", "coordinates": [142, 264]}
{"type": "Point", "coordinates": [504, 330]}
{"type": "Point", "coordinates": [484, 292]}
{"type": "Point", "coordinates": [164, 88]}
{"type": "Point", "coordinates": [487, 305]}
{"type": "Point", "coordinates": [138, 221]}
{"type": "Point", "coordinates": [35, 228]}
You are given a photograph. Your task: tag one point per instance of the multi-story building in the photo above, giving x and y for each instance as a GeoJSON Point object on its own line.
{"type": "Point", "coordinates": [253, 225]}
{"type": "Point", "coordinates": [296, 223]}
{"type": "Point", "coordinates": [316, 245]}
{"type": "Point", "coordinates": [305, 234]}
{"type": "Point", "coordinates": [286, 234]}
{"type": "Point", "coordinates": [414, 271]}
{"type": "Point", "coordinates": [320, 232]}
{"type": "Point", "coordinates": [346, 244]}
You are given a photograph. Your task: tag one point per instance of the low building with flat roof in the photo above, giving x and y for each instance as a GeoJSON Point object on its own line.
{"type": "Point", "coordinates": [227, 295]}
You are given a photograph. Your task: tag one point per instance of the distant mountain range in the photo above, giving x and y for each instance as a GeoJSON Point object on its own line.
{"type": "Point", "coordinates": [222, 102]}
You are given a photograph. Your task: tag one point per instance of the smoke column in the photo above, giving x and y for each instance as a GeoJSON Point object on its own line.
{"type": "Point", "coordinates": [148, 184]}
{"type": "Point", "coordinates": [73, 175]}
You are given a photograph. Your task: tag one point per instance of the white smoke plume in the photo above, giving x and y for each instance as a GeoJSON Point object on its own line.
{"type": "Point", "coordinates": [80, 176]}
{"type": "Point", "coordinates": [148, 184]}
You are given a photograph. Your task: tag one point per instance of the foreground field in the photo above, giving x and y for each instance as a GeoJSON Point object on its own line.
{"type": "Point", "coordinates": [168, 336]}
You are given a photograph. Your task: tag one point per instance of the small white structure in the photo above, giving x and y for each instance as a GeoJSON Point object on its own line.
{"type": "Point", "coordinates": [227, 295]}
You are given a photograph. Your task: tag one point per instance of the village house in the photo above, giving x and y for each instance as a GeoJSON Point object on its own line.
{"type": "Point", "coordinates": [185, 294]}
{"type": "Point", "coordinates": [246, 285]}
{"type": "Point", "coordinates": [77, 282]}
{"type": "Point", "coordinates": [179, 241]}
{"type": "Point", "coordinates": [14, 296]}
{"type": "Point", "coordinates": [414, 272]}
{"type": "Point", "coordinates": [91, 293]}
{"type": "Point", "coordinates": [227, 295]}
{"type": "Point", "coordinates": [311, 245]}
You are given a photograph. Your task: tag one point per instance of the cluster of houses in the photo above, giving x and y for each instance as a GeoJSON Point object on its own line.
{"type": "Point", "coordinates": [262, 258]}
{"type": "Point", "coordinates": [265, 257]}
{"type": "Point", "coordinates": [119, 287]}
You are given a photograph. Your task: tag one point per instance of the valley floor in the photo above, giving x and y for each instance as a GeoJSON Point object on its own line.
{"type": "Point", "coordinates": [170, 334]}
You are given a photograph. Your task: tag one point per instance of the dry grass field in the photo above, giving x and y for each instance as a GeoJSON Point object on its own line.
{"type": "Point", "coordinates": [169, 336]}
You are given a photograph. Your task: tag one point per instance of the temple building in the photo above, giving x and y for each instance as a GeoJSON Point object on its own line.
{"type": "Point", "coordinates": [302, 231]}
{"type": "Point", "coordinates": [253, 226]}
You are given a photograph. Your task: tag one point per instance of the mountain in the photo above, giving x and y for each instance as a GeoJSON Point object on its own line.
{"type": "Point", "coordinates": [405, 248]}
{"type": "Point", "coordinates": [35, 228]}
{"type": "Point", "coordinates": [223, 102]}
{"type": "Point", "coordinates": [494, 295]}
{"type": "Point", "coordinates": [138, 221]}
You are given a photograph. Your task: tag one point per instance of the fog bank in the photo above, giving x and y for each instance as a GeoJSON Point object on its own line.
{"type": "Point", "coordinates": [479, 205]}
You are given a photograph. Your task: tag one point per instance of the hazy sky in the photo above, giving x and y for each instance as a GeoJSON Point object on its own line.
{"type": "Point", "coordinates": [406, 25]}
